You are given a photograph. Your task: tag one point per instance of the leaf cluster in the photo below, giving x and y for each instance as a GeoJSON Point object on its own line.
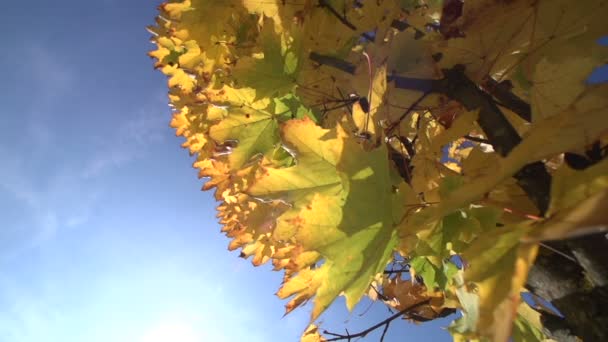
{"type": "Point", "coordinates": [341, 136]}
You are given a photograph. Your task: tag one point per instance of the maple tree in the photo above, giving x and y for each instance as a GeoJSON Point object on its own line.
{"type": "Point", "coordinates": [435, 155]}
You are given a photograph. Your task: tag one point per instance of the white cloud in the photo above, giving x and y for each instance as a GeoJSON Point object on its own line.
{"type": "Point", "coordinates": [131, 140]}
{"type": "Point", "coordinates": [50, 199]}
{"type": "Point", "coordinates": [49, 79]}
{"type": "Point", "coordinates": [62, 194]}
{"type": "Point", "coordinates": [43, 219]}
{"type": "Point", "coordinates": [49, 75]}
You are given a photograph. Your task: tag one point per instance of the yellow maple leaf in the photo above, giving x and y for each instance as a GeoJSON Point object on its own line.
{"type": "Point", "coordinates": [329, 188]}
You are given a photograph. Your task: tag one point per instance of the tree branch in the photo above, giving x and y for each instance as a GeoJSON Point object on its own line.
{"type": "Point", "coordinates": [507, 99]}
{"type": "Point", "coordinates": [567, 286]}
{"type": "Point", "coordinates": [533, 178]}
{"type": "Point", "coordinates": [395, 271]}
{"type": "Point", "coordinates": [348, 336]}
{"type": "Point", "coordinates": [495, 125]}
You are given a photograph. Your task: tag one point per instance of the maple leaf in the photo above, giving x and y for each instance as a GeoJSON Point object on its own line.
{"type": "Point", "coordinates": [509, 39]}
{"type": "Point", "coordinates": [583, 121]}
{"type": "Point", "coordinates": [578, 203]}
{"type": "Point", "coordinates": [255, 132]}
{"type": "Point", "coordinates": [334, 183]}
{"type": "Point", "coordinates": [469, 303]}
{"type": "Point", "coordinates": [498, 264]}
{"type": "Point", "coordinates": [275, 69]}
{"type": "Point", "coordinates": [228, 28]}
{"type": "Point", "coordinates": [527, 325]}
{"type": "Point", "coordinates": [311, 334]}
{"type": "Point", "coordinates": [403, 294]}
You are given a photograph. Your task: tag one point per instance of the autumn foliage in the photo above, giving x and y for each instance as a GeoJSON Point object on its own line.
{"type": "Point", "coordinates": [344, 138]}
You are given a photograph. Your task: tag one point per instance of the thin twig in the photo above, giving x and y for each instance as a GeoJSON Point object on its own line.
{"type": "Point", "coordinates": [384, 331]}
{"type": "Point", "coordinates": [396, 271]}
{"type": "Point", "coordinates": [554, 250]}
{"type": "Point", "coordinates": [350, 104]}
{"type": "Point", "coordinates": [380, 294]}
{"type": "Point", "coordinates": [343, 20]}
{"type": "Point", "coordinates": [415, 104]}
{"type": "Point", "coordinates": [387, 321]}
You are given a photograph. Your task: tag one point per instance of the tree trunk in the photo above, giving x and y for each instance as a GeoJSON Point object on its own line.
{"type": "Point", "coordinates": [577, 289]}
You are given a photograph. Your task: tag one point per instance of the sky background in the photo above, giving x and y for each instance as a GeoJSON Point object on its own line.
{"type": "Point", "coordinates": [104, 233]}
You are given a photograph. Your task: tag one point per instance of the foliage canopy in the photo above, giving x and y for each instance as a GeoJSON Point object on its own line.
{"type": "Point", "coordinates": [413, 151]}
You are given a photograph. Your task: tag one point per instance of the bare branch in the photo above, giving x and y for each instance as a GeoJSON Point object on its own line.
{"type": "Point", "coordinates": [409, 110]}
{"type": "Point", "coordinates": [386, 322]}
{"type": "Point", "coordinates": [384, 331]}
{"type": "Point", "coordinates": [396, 271]}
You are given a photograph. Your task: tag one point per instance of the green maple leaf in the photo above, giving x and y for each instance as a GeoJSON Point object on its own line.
{"type": "Point", "coordinates": [254, 125]}
{"type": "Point", "coordinates": [256, 132]}
{"type": "Point", "coordinates": [290, 106]}
{"type": "Point", "coordinates": [470, 308]}
{"type": "Point", "coordinates": [342, 208]}
{"type": "Point", "coordinates": [272, 72]}
{"type": "Point", "coordinates": [426, 270]}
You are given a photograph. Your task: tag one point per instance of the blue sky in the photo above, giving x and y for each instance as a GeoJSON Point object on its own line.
{"type": "Point", "coordinates": [104, 233]}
